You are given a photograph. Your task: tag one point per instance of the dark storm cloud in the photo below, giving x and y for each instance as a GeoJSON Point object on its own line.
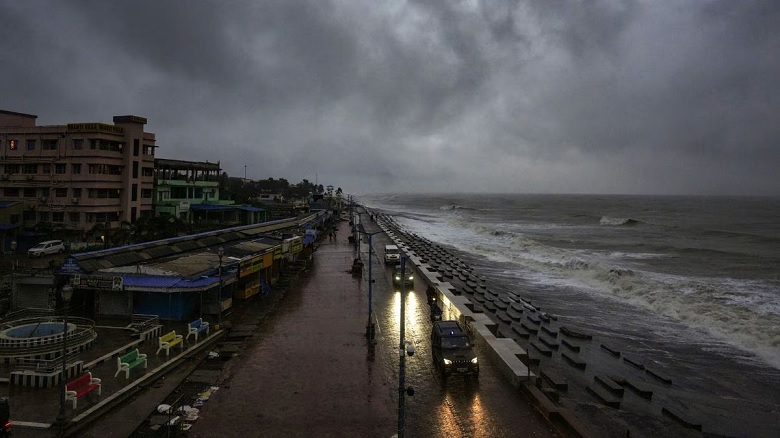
{"type": "Point", "coordinates": [597, 96]}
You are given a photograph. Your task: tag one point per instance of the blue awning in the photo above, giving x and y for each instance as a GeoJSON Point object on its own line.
{"type": "Point", "coordinates": [250, 208]}
{"type": "Point", "coordinates": [4, 227]}
{"type": "Point", "coordinates": [162, 281]}
{"type": "Point", "coordinates": [211, 207]}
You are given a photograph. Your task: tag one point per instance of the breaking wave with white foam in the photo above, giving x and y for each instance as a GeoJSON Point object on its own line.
{"type": "Point", "coordinates": [743, 313]}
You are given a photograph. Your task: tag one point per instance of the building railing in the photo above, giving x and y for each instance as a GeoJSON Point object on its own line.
{"type": "Point", "coordinates": [43, 365]}
{"type": "Point", "coordinates": [30, 312]}
{"type": "Point", "coordinates": [140, 322]}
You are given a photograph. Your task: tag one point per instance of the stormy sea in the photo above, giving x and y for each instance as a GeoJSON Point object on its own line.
{"type": "Point", "coordinates": [687, 285]}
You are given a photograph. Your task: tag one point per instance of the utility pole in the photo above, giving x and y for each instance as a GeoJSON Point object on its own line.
{"type": "Point", "coordinates": [404, 345]}
{"type": "Point", "coordinates": [370, 328]}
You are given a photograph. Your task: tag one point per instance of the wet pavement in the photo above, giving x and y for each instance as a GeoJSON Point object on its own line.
{"type": "Point", "coordinates": [307, 371]}
{"type": "Point", "coordinates": [297, 363]}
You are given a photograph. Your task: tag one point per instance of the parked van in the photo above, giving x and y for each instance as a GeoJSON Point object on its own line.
{"type": "Point", "coordinates": [46, 248]}
{"type": "Point", "coordinates": [392, 255]}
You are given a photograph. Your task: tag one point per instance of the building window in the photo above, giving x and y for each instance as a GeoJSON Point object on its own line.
{"type": "Point", "coordinates": [13, 145]}
{"type": "Point", "coordinates": [147, 171]}
{"type": "Point", "coordinates": [11, 168]}
{"type": "Point", "coordinates": [136, 147]}
{"type": "Point", "coordinates": [31, 144]}
{"type": "Point", "coordinates": [30, 192]}
{"type": "Point", "coordinates": [11, 192]}
{"type": "Point", "coordinates": [46, 168]}
{"type": "Point", "coordinates": [45, 192]}
{"type": "Point", "coordinates": [134, 192]}
{"type": "Point", "coordinates": [148, 150]}
{"type": "Point", "coordinates": [104, 169]}
{"type": "Point", "coordinates": [178, 192]}
{"type": "Point", "coordinates": [105, 145]}
{"type": "Point", "coordinates": [95, 169]}
{"type": "Point", "coordinates": [58, 216]}
{"type": "Point", "coordinates": [78, 143]}
{"type": "Point", "coordinates": [76, 192]}
{"type": "Point", "coordinates": [30, 169]}
{"type": "Point", "coordinates": [75, 169]}
{"type": "Point", "coordinates": [135, 169]}
{"type": "Point", "coordinates": [61, 192]}
{"type": "Point", "coordinates": [102, 217]}
{"type": "Point", "coordinates": [103, 193]}
{"type": "Point", "coordinates": [43, 216]}
{"type": "Point", "coordinates": [59, 168]}
{"type": "Point", "coordinates": [28, 215]}
{"type": "Point", "coordinates": [146, 193]}
{"type": "Point", "coordinates": [49, 145]}
{"type": "Point", "coordinates": [74, 217]}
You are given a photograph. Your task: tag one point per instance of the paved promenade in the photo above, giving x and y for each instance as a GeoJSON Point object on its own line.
{"type": "Point", "coordinates": [306, 371]}
{"type": "Point", "coordinates": [302, 369]}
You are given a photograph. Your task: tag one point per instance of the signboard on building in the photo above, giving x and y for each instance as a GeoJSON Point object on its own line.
{"type": "Point", "coordinates": [71, 266]}
{"type": "Point", "coordinates": [108, 282]}
{"type": "Point", "coordinates": [247, 267]}
{"type": "Point", "coordinates": [296, 245]}
{"type": "Point", "coordinates": [94, 127]}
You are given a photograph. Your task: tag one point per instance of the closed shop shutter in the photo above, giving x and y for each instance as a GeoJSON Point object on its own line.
{"type": "Point", "coordinates": [33, 295]}
{"type": "Point", "coordinates": [113, 303]}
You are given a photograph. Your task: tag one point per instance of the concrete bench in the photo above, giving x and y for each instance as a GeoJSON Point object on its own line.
{"type": "Point", "coordinates": [197, 327]}
{"type": "Point", "coordinates": [169, 340]}
{"type": "Point", "coordinates": [129, 361]}
{"type": "Point", "coordinates": [81, 386]}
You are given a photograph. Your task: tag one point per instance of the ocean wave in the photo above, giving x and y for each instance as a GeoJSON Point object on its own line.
{"type": "Point", "coordinates": [741, 313]}
{"type": "Point", "coordinates": [455, 207]}
{"type": "Point", "coordinates": [734, 311]}
{"type": "Point", "coordinates": [481, 229]}
{"type": "Point", "coordinates": [618, 221]}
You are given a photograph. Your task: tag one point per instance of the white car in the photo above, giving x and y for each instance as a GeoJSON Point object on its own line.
{"type": "Point", "coordinates": [46, 248]}
{"type": "Point", "coordinates": [392, 255]}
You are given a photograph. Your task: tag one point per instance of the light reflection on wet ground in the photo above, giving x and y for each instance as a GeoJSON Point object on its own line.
{"type": "Point", "coordinates": [461, 407]}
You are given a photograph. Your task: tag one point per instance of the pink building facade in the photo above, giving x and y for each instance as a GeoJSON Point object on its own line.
{"type": "Point", "coordinates": [76, 177]}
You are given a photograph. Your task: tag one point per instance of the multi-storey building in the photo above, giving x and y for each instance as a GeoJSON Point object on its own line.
{"type": "Point", "coordinates": [73, 177]}
{"type": "Point", "coordinates": [182, 186]}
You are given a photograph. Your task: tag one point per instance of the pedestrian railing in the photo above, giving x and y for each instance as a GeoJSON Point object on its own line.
{"type": "Point", "coordinates": [141, 322]}
{"type": "Point", "coordinates": [43, 365]}
{"type": "Point", "coordinates": [25, 314]}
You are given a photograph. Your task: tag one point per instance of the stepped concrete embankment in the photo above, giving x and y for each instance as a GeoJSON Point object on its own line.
{"type": "Point", "coordinates": [453, 282]}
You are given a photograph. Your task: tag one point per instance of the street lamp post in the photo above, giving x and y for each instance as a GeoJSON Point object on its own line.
{"type": "Point", "coordinates": [220, 254]}
{"type": "Point", "coordinates": [66, 293]}
{"type": "Point", "coordinates": [14, 263]}
{"type": "Point", "coordinates": [13, 250]}
{"type": "Point", "coordinates": [405, 347]}
{"type": "Point", "coordinates": [370, 329]}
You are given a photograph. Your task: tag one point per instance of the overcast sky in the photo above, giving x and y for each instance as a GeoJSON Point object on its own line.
{"type": "Point", "coordinates": [659, 97]}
